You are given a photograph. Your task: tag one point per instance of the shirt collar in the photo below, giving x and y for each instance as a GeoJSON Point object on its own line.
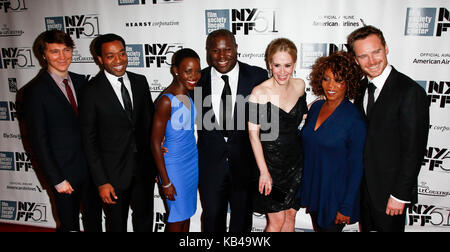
{"type": "Point", "coordinates": [381, 79]}
{"type": "Point", "coordinates": [114, 79]}
{"type": "Point", "coordinates": [58, 79]}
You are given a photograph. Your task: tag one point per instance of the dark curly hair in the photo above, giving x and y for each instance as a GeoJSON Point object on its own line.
{"type": "Point", "coordinates": [344, 68]}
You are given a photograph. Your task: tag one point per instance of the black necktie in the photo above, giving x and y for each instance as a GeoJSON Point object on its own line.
{"type": "Point", "coordinates": [225, 105]}
{"type": "Point", "coordinates": [371, 97]}
{"type": "Point", "coordinates": [126, 99]}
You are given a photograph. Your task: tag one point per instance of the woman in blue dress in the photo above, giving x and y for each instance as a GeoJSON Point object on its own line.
{"type": "Point", "coordinates": [333, 139]}
{"type": "Point", "coordinates": [173, 124]}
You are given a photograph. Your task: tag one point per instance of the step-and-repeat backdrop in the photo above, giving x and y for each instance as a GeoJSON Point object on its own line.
{"type": "Point", "coordinates": [417, 33]}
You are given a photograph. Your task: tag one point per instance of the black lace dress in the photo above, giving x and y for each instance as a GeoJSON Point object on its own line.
{"type": "Point", "coordinates": [283, 153]}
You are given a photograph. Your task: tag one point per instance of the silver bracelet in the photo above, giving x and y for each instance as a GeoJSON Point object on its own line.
{"type": "Point", "coordinates": [167, 186]}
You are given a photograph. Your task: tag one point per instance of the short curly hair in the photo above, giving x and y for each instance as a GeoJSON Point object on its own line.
{"type": "Point", "coordinates": [344, 68]}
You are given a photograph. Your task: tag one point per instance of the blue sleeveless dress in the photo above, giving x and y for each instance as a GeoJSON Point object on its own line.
{"type": "Point", "coordinates": [181, 160]}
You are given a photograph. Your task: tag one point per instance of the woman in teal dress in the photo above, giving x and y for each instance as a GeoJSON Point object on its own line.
{"type": "Point", "coordinates": [173, 125]}
{"type": "Point", "coordinates": [333, 142]}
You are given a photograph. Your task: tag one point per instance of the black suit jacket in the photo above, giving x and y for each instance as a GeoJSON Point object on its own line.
{"type": "Point", "coordinates": [397, 135]}
{"type": "Point", "coordinates": [110, 138]}
{"type": "Point", "coordinates": [54, 130]}
{"type": "Point", "coordinates": [212, 148]}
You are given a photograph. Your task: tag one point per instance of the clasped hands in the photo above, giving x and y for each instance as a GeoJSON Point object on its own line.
{"type": "Point", "coordinates": [341, 219]}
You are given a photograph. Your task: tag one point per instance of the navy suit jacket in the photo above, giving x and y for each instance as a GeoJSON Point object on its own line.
{"type": "Point", "coordinates": [54, 131]}
{"type": "Point", "coordinates": [212, 148]}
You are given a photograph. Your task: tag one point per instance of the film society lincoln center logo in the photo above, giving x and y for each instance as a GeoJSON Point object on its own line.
{"type": "Point", "coordinates": [427, 21]}
{"type": "Point", "coordinates": [248, 21]}
{"type": "Point", "coordinates": [23, 211]}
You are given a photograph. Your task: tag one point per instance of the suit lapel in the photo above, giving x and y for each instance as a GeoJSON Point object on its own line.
{"type": "Point", "coordinates": [77, 82]}
{"type": "Point", "coordinates": [243, 90]}
{"type": "Point", "coordinates": [56, 91]}
{"type": "Point", "coordinates": [359, 101]}
{"type": "Point", "coordinates": [384, 94]}
{"type": "Point", "coordinates": [134, 90]}
{"type": "Point", "coordinates": [207, 93]}
{"type": "Point", "coordinates": [111, 95]}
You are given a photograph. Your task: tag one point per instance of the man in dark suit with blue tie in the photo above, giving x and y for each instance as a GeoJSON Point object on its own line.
{"type": "Point", "coordinates": [226, 161]}
{"type": "Point", "coordinates": [397, 113]}
{"type": "Point", "coordinates": [51, 119]}
{"type": "Point", "coordinates": [116, 110]}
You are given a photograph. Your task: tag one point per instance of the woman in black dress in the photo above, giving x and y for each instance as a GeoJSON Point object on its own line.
{"type": "Point", "coordinates": [277, 107]}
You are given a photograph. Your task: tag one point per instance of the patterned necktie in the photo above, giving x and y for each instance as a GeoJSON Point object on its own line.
{"type": "Point", "coordinates": [225, 105]}
{"type": "Point", "coordinates": [126, 99]}
{"type": "Point", "coordinates": [371, 97]}
{"type": "Point", "coordinates": [71, 96]}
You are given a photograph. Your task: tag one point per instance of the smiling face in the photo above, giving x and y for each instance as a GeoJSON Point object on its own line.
{"type": "Point", "coordinates": [58, 57]}
{"type": "Point", "coordinates": [222, 54]}
{"type": "Point", "coordinates": [188, 73]}
{"type": "Point", "coordinates": [114, 58]}
{"type": "Point", "coordinates": [334, 89]}
{"type": "Point", "coordinates": [371, 55]}
{"type": "Point", "coordinates": [282, 66]}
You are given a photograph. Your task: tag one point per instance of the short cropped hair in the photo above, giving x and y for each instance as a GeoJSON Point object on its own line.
{"type": "Point", "coordinates": [363, 33]}
{"type": "Point", "coordinates": [344, 68]}
{"type": "Point", "coordinates": [219, 33]}
{"type": "Point", "coordinates": [50, 37]}
{"type": "Point", "coordinates": [182, 54]}
{"type": "Point", "coordinates": [103, 39]}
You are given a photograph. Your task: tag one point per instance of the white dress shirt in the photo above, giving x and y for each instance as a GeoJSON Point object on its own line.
{"type": "Point", "coordinates": [217, 85]}
{"type": "Point", "coordinates": [379, 83]}
{"type": "Point", "coordinates": [116, 85]}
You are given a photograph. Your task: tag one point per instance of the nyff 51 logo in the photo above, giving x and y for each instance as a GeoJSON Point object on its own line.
{"type": "Point", "coordinates": [428, 215]}
{"type": "Point", "coordinates": [435, 158]}
{"type": "Point", "coordinates": [252, 21]}
{"type": "Point", "coordinates": [77, 26]}
{"type": "Point", "coordinates": [438, 92]}
{"type": "Point", "coordinates": [16, 58]}
{"type": "Point", "coordinates": [13, 5]}
{"type": "Point", "coordinates": [160, 220]}
{"type": "Point", "coordinates": [157, 55]}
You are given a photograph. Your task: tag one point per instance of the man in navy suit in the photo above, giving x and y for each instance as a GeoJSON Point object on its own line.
{"type": "Point", "coordinates": [51, 118]}
{"type": "Point", "coordinates": [226, 162]}
{"type": "Point", "coordinates": [397, 113]}
{"type": "Point", "coordinates": [116, 111]}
